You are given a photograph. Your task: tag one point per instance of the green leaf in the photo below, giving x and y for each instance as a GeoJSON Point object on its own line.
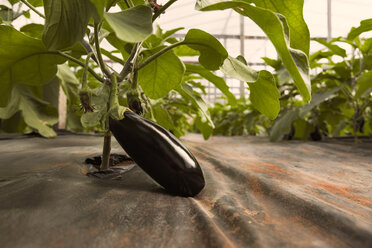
{"type": "Point", "coordinates": [204, 127]}
{"type": "Point", "coordinates": [274, 63]}
{"type": "Point", "coordinates": [23, 60]}
{"type": "Point", "coordinates": [185, 51]}
{"type": "Point", "coordinates": [132, 25]}
{"type": "Point", "coordinates": [36, 3]}
{"type": "Point", "coordinates": [119, 44]}
{"type": "Point", "coordinates": [365, 26]}
{"type": "Point", "coordinates": [161, 75]}
{"type": "Point", "coordinates": [234, 68]}
{"type": "Point", "coordinates": [276, 28]}
{"type": "Point", "coordinates": [217, 81]}
{"type": "Point", "coordinates": [14, 124]}
{"type": "Point", "coordinates": [264, 95]}
{"type": "Point", "coordinates": [69, 83]}
{"type": "Point", "coordinates": [99, 99]}
{"type": "Point", "coordinates": [65, 22]}
{"type": "Point", "coordinates": [187, 92]}
{"type": "Point", "coordinates": [100, 6]}
{"type": "Point", "coordinates": [318, 98]}
{"type": "Point", "coordinates": [33, 30]}
{"type": "Point", "coordinates": [212, 53]}
{"type": "Point", "coordinates": [334, 48]}
{"type": "Point", "coordinates": [364, 84]}
{"type": "Point", "coordinates": [162, 118]}
{"type": "Point", "coordinates": [302, 129]}
{"type": "Point", "coordinates": [37, 113]}
{"type": "Point", "coordinates": [111, 56]}
{"type": "Point", "coordinates": [292, 10]}
{"type": "Point", "coordinates": [283, 124]}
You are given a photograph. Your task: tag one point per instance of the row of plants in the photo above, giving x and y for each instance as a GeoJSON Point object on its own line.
{"type": "Point", "coordinates": [341, 105]}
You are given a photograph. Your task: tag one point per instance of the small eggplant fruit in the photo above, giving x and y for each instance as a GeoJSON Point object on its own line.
{"type": "Point", "coordinates": [159, 153]}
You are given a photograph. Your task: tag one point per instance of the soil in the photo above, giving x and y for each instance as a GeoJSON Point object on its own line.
{"type": "Point", "coordinates": [119, 164]}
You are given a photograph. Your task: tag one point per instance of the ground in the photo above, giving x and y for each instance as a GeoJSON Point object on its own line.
{"type": "Point", "coordinates": [257, 194]}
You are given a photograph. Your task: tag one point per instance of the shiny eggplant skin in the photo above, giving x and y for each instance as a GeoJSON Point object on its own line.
{"type": "Point", "coordinates": [159, 153]}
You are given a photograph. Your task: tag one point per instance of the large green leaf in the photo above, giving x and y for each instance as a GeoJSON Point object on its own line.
{"type": "Point", "coordinates": [264, 94]}
{"type": "Point", "coordinates": [212, 53]}
{"type": "Point", "coordinates": [283, 124]}
{"type": "Point", "coordinates": [161, 75]}
{"type": "Point", "coordinates": [37, 113]}
{"type": "Point", "coordinates": [292, 10]}
{"type": "Point", "coordinates": [132, 25]}
{"type": "Point", "coordinates": [276, 28]}
{"type": "Point", "coordinates": [364, 84]}
{"type": "Point", "coordinates": [65, 22]}
{"type": "Point", "coordinates": [216, 80]}
{"type": "Point", "coordinates": [23, 60]}
{"type": "Point", "coordinates": [365, 26]}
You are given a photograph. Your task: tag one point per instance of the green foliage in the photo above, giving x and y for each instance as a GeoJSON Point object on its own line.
{"type": "Point", "coordinates": [65, 22]}
{"type": "Point", "coordinates": [24, 60]}
{"type": "Point", "coordinates": [238, 119]}
{"type": "Point", "coordinates": [36, 113]}
{"type": "Point", "coordinates": [153, 80]}
{"type": "Point", "coordinates": [212, 53]}
{"type": "Point", "coordinates": [277, 30]}
{"type": "Point", "coordinates": [132, 25]}
{"type": "Point", "coordinates": [162, 75]}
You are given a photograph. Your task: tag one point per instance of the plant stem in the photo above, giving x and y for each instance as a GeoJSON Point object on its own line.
{"type": "Point", "coordinates": [126, 2]}
{"type": "Point", "coordinates": [33, 8]}
{"type": "Point", "coordinates": [126, 69]}
{"type": "Point", "coordinates": [98, 51]}
{"type": "Point", "coordinates": [162, 9]}
{"type": "Point", "coordinates": [107, 139]}
{"type": "Point", "coordinates": [94, 74]}
{"type": "Point", "coordinates": [84, 77]}
{"type": "Point", "coordinates": [106, 151]}
{"type": "Point", "coordinates": [156, 55]}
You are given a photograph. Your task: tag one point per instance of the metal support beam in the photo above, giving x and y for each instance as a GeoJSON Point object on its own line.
{"type": "Point", "coordinates": [242, 38]}
{"type": "Point", "coordinates": [329, 19]}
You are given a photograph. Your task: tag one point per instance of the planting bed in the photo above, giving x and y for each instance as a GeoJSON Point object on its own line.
{"type": "Point", "coordinates": [257, 194]}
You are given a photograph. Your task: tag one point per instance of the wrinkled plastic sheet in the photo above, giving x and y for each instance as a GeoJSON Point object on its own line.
{"type": "Point", "coordinates": [258, 194]}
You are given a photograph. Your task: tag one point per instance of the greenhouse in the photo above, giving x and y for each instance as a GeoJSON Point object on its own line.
{"type": "Point", "coordinates": [193, 123]}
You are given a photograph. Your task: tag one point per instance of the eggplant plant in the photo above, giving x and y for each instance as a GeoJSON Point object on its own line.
{"type": "Point", "coordinates": [341, 86]}
{"type": "Point", "coordinates": [70, 50]}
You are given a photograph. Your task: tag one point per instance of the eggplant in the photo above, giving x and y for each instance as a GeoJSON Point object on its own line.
{"type": "Point", "coordinates": [159, 153]}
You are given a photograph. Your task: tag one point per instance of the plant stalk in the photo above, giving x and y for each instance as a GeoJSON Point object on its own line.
{"type": "Point", "coordinates": [91, 71]}
{"type": "Point", "coordinates": [162, 9]}
{"type": "Point", "coordinates": [98, 51]}
{"type": "Point", "coordinates": [156, 55]}
{"type": "Point", "coordinates": [126, 69]}
{"type": "Point", "coordinates": [33, 8]}
{"type": "Point", "coordinates": [106, 151]}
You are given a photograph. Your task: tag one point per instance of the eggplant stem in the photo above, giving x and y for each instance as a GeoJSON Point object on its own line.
{"type": "Point", "coordinates": [106, 151]}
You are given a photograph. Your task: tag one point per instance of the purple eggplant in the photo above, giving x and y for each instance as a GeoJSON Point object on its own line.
{"type": "Point", "coordinates": [159, 153]}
